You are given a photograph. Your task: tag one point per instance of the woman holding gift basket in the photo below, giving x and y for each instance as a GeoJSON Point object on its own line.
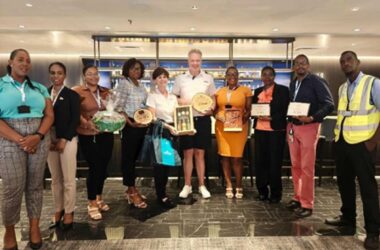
{"type": "Point", "coordinates": [162, 104]}
{"type": "Point", "coordinates": [96, 146]}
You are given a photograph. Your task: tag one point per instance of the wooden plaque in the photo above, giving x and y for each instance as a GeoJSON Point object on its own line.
{"type": "Point", "coordinates": [143, 116]}
{"type": "Point", "coordinates": [233, 120]}
{"type": "Point", "coordinates": [202, 102]}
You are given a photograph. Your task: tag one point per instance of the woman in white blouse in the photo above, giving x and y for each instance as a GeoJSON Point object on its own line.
{"type": "Point", "coordinates": [162, 104]}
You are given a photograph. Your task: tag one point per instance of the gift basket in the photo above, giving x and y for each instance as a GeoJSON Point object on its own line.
{"type": "Point", "coordinates": [109, 120]}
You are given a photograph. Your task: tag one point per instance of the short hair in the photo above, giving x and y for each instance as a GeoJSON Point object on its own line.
{"type": "Point", "coordinates": [87, 67]}
{"type": "Point", "coordinates": [59, 64]}
{"type": "Point", "coordinates": [130, 63]}
{"type": "Point", "coordinates": [349, 52]}
{"type": "Point", "coordinates": [232, 67]}
{"type": "Point", "coordinates": [304, 56]}
{"type": "Point", "coordinates": [159, 71]}
{"type": "Point", "coordinates": [194, 51]}
{"type": "Point", "coordinates": [268, 68]}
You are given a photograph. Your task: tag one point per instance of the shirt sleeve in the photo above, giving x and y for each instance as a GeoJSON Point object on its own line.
{"type": "Point", "coordinates": [211, 89]}
{"type": "Point", "coordinates": [121, 94]}
{"type": "Point", "coordinates": [248, 92]}
{"type": "Point", "coordinates": [176, 87]}
{"type": "Point", "coordinates": [150, 101]}
{"type": "Point", "coordinates": [375, 93]}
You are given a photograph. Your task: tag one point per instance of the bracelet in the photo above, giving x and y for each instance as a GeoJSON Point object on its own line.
{"type": "Point", "coordinates": [42, 136]}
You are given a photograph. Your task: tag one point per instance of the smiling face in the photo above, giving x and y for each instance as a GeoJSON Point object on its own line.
{"type": "Point", "coordinates": [20, 64]}
{"type": "Point", "coordinates": [349, 64]}
{"type": "Point", "coordinates": [301, 66]}
{"type": "Point", "coordinates": [267, 77]}
{"type": "Point", "coordinates": [91, 76]}
{"type": "Point", "coordinates": [57, 75]}
{"type": "Point", "coordinates": [135, 71]}
{"type": "Point", "coordinates": [232, 77]}
{"type": "Point", "coordinates": [195, 61]}
{"type": "Point", "coordinates": [161, 81]}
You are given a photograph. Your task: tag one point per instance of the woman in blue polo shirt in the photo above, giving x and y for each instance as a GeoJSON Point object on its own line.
{"type": "Point", "coordinates": [26, 115]}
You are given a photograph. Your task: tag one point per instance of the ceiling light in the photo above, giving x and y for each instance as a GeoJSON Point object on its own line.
{"type": "Point", "coordinates": [107, 28]}
{"type": "Point", "coordinates": [22, 41]}
{"type": "Point", "coordinates": [21, 26]}
{"type": "Point", "coordinates": [353, 44]}
{"type": "Point", "coordinates": [29, 5]}
{"type": "Point", "coordinates": [357, 30]}
{"type": "Point", "coordinates": [192, 28]}
{"type": "Point", "coordinates": [355, 9]}
{"type": "Point", "coordinates": [194, 7]}
{"type": "Point", "coordinates": [275, 29]}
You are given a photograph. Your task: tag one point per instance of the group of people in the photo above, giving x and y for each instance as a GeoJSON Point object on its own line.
{"type": "Point", "coordinates": [39, 124]}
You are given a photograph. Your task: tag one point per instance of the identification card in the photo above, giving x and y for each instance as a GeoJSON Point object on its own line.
{"type": "Point", "coordinates": [23, 109]}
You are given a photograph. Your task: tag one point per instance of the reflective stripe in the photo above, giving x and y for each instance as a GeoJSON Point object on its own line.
{"type": "Point", "coordinates": [367, 87]}
{"type": "Point", "coordinates": [359, 127]}
{"type": "Point", "coordinates": [359, 112]}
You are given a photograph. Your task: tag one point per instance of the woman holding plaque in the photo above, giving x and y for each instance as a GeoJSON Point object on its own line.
{"type": "Point", "coordinates": [233, 109]}
{"type": "Point", "coordinates": [130, 97]}
{"type": "Point", "coordinates": [26, 115]}
{"type": "Point", "coordinates": [270, 132]}
{"type": "Point", "coordinates": [162, 104]}
{"type": "Point", "coordinates": [95, 146]}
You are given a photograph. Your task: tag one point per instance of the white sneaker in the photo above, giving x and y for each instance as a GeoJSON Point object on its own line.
{"type": "Point", "coordinates": [186, 190]}
{"type": "Point", "coordinates": [205, 193]}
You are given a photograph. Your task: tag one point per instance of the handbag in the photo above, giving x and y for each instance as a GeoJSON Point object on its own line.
{"type": "Point", "coordinates": [165, 152]}
{"type": "Point", "coordinates": [146, 155]}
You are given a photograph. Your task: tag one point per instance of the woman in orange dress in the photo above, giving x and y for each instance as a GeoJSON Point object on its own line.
{"type": "Point", "coordinates": [231, 144]}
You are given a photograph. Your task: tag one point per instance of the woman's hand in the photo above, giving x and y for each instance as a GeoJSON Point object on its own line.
{"type": "Point", "coordinates": [91, 126]}
{"type": "Point", "coordinates": [220, 117]}
{"type": "Point", "coordinates": [30, 143]}
{"type": "Point", "coordinates": [60, 145]}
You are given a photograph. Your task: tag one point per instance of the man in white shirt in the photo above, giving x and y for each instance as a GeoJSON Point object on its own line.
{"type": "Point", "coordinates": [185, 87]}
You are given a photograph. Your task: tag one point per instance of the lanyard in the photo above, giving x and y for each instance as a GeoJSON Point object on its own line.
{"type": "Point", "coordinates": [21, 89]}
{"type": "Point", "coordinates": [55, 98]}
{"type": "Point", "coordinates": [97, 98]}
{"type": "Point", "coordinates": [298, 85]}
{"type": "Point", "coordinates": [229, 93]}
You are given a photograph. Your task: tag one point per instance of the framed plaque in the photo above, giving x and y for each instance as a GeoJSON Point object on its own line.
{"type": "Point", "coordinates": [143, 116]}
{"type": "Point", "coordinates": [233, 120]}
{"type": "Point", "coordinates": [298, 109]}
{"type": "Point", "coordinates": [183, 119]}
{"type": "Point", "coordinates": [202, 102]}
{"type": "Point", "coordinates": [260, 109]}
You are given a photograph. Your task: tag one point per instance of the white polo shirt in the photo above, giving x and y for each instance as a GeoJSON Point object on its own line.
{"type": "Point", "coordinates": [164, 106]}
{"type": "Point", "coordinates": [186, 86]}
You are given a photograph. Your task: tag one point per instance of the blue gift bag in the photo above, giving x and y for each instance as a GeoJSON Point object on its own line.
{"type": "Point", "coordinates": [167, 152]}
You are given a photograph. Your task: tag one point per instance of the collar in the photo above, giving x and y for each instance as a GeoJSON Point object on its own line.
{"type": "Point", "coordinates": [190, 75]}
{"type": "Point", "coordinates": [360, 76]}
{"type": "Point", "coordinates": [306, 77]}
{"type": "Point", "coordinates": [9, 79]}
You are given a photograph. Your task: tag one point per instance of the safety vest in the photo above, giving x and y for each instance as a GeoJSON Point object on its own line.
{"type": "Point", "coordinates": [361, 118]}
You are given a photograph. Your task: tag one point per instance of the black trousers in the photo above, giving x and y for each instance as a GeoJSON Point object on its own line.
{"type": "Point", "coordinates": [269, 149]}
{"type": "Point", "coordinates": [354, 160]}
{"type": "Point", "coordinates": [97, 150]}
{"type": "Point", "coordinates": [160, 180]}
{"type": "Point", "coordinates": [131, 143]}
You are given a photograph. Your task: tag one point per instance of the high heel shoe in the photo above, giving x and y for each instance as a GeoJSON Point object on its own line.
{"type": "Point", "coordinates": [229, 193]}
{"type": "Point", "coordinates": [102, 206]}
{"type": "Point", "coordinates": [239, 193]}
{"type": "Point", "coordinates": [67, 226]}
{"type": "Point", "coordinates": [55, 223]}
{"type": "Point", "coordinates": [136, 200]}
{"type": "Point", "coordinates": [94, 213]}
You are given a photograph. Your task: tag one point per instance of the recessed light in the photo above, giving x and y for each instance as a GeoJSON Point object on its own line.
{"type": "Point", "coordinates": [107, 27]}
{"type": "Point", "coordinates": [194, 7]}
{"type": "Point", "coordinates": [22, 41]}
{"type": "Point", "coordinates": [357, 30]}
{"type": "Point", "coordinates": [355, 9]}
{"type": "Point", "coordinates": [192, 28]}
{"type": "Point", "coordinates": [353, 44]}
{"type": "Point", "coordinates": [21, 26]}
{"type": "Point", "coordinates": [275, 29]}
{"type": "Point", "coordinates": [29, 5]}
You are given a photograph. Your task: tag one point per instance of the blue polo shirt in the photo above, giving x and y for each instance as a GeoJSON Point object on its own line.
{"type": "Point", "coordinates": [11, 98]}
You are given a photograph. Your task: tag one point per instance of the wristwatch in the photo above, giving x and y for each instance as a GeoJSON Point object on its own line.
{"type": "Point", "coordinates": [42, 136]}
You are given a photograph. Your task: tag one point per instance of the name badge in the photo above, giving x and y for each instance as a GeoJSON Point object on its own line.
{"type": "Point", "coordinates": [23, 109]}
{"type": "Point", "coordinates": [347, 113]}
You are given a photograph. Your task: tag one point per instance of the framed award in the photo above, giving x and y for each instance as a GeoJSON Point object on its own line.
{"type": "Point", "coordinates": [202, 102]}
{"type": "Point", "coordinates": [298, 109]}
{"type": "Point", "coordinates": [143, 116]}
{"type": "Point", "coordinates": [233, 120]}
{"type": "Point", "coordinates": [261, 109]}
{"type": "Point", "coordinates": [183, 120]}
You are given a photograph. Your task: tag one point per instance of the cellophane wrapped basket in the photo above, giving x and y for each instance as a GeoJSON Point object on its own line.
{"type": "Point", "coordinates": [109, 120]}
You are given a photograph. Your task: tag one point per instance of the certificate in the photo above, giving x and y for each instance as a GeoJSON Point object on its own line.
{"type": "Point", "coordinates": [298, 109]}
{"type": "Point", "coordinates": [183, 120]}
{"type": "Point", "coordinates": [261, 109]}
{"type": "Point", "coordinates": [233, 120]}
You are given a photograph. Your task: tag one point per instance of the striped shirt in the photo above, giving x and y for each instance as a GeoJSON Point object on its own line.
{"type": "Point", "coordinates": [129, 97]}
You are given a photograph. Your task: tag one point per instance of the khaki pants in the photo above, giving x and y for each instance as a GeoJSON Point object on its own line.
{"type": "Point", "coordinates": [63, 167]}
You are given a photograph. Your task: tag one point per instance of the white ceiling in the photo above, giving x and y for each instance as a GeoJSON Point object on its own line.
{"type": "Point", "coordinates": [321, 27]}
